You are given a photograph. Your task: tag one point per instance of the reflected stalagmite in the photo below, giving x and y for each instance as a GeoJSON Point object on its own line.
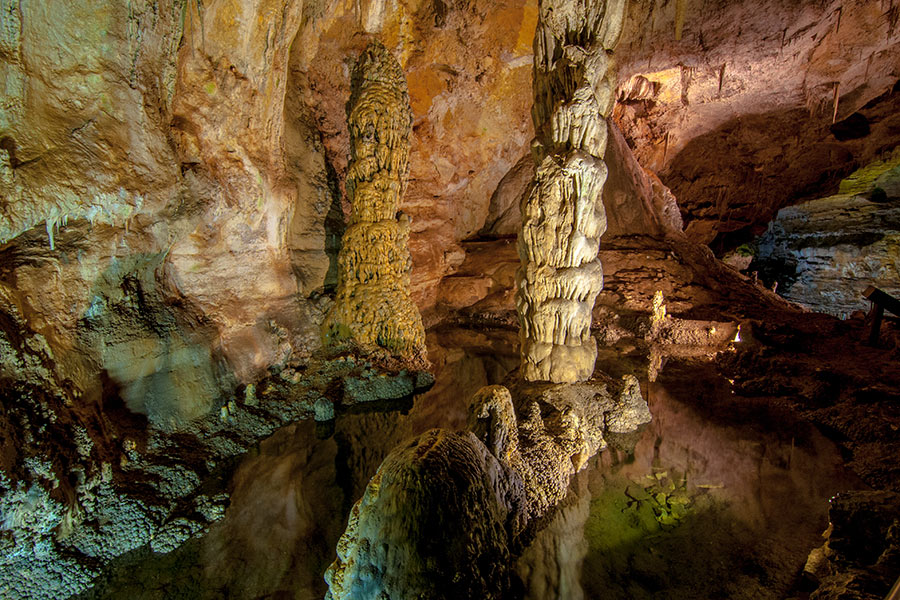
{"type": "Point", "coordinates": [373, 305]}
{"type": "Point", "coordinates": [563, 215]}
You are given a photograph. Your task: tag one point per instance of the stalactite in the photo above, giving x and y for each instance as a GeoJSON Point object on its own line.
{"type": "Point", "coordinates": [721, 78]}
{"type": "Point", "coordinates": [372, 304]}
{"type": "Point", "coordinates": [563, 215]}
{"type": "Point", "coordinates": [893, 15]}
{"type": "Point", "coordinates": [687, 76]}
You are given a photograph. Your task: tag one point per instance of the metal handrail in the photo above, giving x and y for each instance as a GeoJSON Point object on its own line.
{"type": "Point", "coordinates": [894, 594]}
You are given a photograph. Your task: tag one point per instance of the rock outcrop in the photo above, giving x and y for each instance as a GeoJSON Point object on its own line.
{"type": "Point", "coordinates": [824, 253]}
{"type": "Point", "coordinates": [447, 511]}
{"type": "Point", "coordinates": [861, 557]}
{"type": "Point", "coordinates": [563, 215]}
{"type": "Point", "coordinates": [372, 304]}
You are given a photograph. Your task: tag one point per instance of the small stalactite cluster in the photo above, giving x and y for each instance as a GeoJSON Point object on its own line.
{"type": "Point", "coordinates": [563, 215]}
{"type": "Point", "coordinates": [372, 303]}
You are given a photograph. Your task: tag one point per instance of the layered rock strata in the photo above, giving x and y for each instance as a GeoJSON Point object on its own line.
{"type": "Point", "coordinates": [446, 511]}
{"type": "Point", "coordinates": [823, 253]}
{"type": "Point", "coordinates": [563, 215]}
{"type": "Point", "coordinates": [373, 305]}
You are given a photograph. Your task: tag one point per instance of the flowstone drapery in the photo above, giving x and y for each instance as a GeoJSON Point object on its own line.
{"type": "Point", "coordinates": [563, 215]}
{"type": "Point", "coordinates": [372, 304]}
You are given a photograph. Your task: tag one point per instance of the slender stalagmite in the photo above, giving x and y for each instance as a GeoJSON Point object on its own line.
{"type": "Point", "coordinates": [562, 215]}
{"type": "Point", "coordinates": [372, 304]}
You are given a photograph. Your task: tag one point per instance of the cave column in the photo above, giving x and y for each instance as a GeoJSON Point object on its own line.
{"type": "Point", "coordinates": [562, 214]}
{"type": "Point", "coordinates": [372, 304]}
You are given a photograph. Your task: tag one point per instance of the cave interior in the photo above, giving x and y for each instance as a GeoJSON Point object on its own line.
{"type": "Point", "coordinates": [399, 299]}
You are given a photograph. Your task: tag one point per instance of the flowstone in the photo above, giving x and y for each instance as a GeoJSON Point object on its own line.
{"type": "Point", "coordinates": [563, 215]}
{"type": "Point", "coordinates": [372, 304]}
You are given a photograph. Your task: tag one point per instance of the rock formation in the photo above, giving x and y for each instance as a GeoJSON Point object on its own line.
{"type": "Point", "coordinates": [373, 305]}
{"type": "Point", "coordinates": [692, 110]}
{"type": "Point", "coordinates": [563, 215]}
{"type": "Point", "coordinates": [861, 555]}
{"type": "Point", "coordinates": [447, 511]}
{"type": "Point", "coordinates": [823, 253]}
{"type": "Point", "coordinates": [169, 207]}
{"type": "Point", "coordinates": [635, 200]}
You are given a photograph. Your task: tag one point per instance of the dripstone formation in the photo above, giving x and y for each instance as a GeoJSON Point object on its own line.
{"type": "Point", "coordinates": [563, 215]}
{"type": "Point", "coordinates": [372, 305]}
{"type": "Point", "coordinates": [446, 512]}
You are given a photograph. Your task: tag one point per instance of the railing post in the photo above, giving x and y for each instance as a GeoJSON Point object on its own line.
{"type": "Point", "coordinates": [876, 315]}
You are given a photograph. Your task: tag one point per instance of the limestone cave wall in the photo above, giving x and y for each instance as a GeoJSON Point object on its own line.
{"type": "Point", "coordinates": [199, 149]}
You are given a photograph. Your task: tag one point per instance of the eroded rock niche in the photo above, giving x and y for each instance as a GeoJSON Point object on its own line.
{"type": "Point", "coordinates": [563, 215]}
{"type": "Point", "coordinates": [372, 304]}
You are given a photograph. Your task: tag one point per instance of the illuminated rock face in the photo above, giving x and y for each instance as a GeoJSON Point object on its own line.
{"type": "Point", "coordinates": [563, 215]}
{"type": "Point", "coordinates": [824, 252]}
{"type": "Point", "coordinates": [373, 304]}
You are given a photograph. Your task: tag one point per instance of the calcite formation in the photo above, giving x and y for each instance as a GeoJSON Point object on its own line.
{"type": "Point", "coordinates": [372, 304]}
{"type": "Point", "coordinates": [431, 524]}
{"type": "Point", "coordinates": [446, 511]}
{"type": "Point", "coordinates": [563, 215]}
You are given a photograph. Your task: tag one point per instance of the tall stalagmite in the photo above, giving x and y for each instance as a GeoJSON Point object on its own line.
{"type": "Point", "coordinates": [373, 305]}
{"type": "Point", "coordinates": [563, 215]}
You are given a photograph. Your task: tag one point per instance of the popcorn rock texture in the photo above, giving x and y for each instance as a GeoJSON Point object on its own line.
{"type": "Point", "coordinates": [373, 304]}
{"type": "Point", "coordinates": [563, 215]}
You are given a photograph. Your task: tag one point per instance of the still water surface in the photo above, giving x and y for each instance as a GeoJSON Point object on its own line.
{"type": "Point", "coordinates": [719, 497]}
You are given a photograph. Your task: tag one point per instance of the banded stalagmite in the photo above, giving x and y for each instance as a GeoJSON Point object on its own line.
{"type": "Point", "coordinates": [372, 304]}
{"type": "Point", "coordinates": [562, 214]}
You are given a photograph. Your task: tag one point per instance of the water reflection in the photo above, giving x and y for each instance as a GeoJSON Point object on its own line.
{"type": "Point", "coordinates": [717, 498]}
{"type": "Point", "coordinates": [720, 498]}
